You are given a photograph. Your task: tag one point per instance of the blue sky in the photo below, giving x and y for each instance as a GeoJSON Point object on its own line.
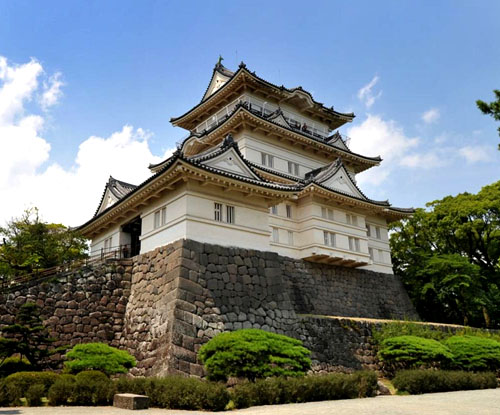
{"type": "Point", "coordinates": [102, 80]}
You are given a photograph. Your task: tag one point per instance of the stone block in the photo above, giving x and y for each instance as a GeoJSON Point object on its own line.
{"type": "Point", "coordinates": [130, 401]}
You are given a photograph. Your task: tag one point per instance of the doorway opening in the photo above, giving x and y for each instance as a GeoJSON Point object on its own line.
{"type": "Point", "coordinates": [133, 229]}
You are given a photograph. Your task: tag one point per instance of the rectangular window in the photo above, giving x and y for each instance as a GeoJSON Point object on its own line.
{"type": "Point", "coordinates": [368, 230]}
{"type": "Point", "coordinates": [163, 216]}
{"type": "Point", "coordinates": [160, 217]}
{"type": "Point", "coordinates": [293, 168]}
{"type": "Point", "coordinates": [107, 244]}
{"type": "Point", "coordinates": [230, 214]}
{"type": "Point", "coordinates": [329, 238]}
{"type": "Point", "coordinates": [323, 213]}
{"type": "Point", "coordinates": [370, 251]}
{"type": "Point", "coordinates": [267, 160]}
{"type": "Point", "coordinates": [377, 232]}
{"type": "Point", "coordinates": [276, 235]}
{"type": "Point", "coordinates": [330, 214]}
{"type": "Point", "coordinates": [380, 255]}
{"type": "Point", "coordinates": [353, 244]}
{"type": "Point", "coordinates": [352, 220]}
{"type": "Point", "coordinates": [290, 238]}
{"type": "Point", "coordinates": [288, 211]}
{"type": "Point", "coordinates": [218, 212]}
{"type": "Point", "coordinates": [274, 210]}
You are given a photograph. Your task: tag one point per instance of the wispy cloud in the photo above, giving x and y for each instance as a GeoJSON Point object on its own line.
{"type": "Point", "coordinates": [51, 91]}
{"type": "Point", "coordinates": [431, 116]}
{"type": "Point", "coordinates": [475, 154]}
{"type": "Point", "coordinates": [366, 95]}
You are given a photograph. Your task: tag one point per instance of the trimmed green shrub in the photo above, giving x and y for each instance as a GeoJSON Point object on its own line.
{"type": "Point", "coordinates": [92, 388]}
{"type": "Point", "coordinates": [132, 385]}
{"type": "Point", "coordinates": [4, 397]}
{"type": "Point", "coordinates": [175, 392]}
{"type": "Point", "coordinates": [252, 354]}
{"type": "Point", "coordinates": [18, 384]}
{"type": "Point", "coordinates": [34, 394]}
{"type": "Point", "coordinates": [413, 351]}
{"type": "Point", "coordinates": [426, 381]}
{"type": "Point", "coordinates": [474, 353]}
{"type": "Point", "coordinates": [63, 389]}
{"type": "Point", "coordinates": [98, 356]}
{"type": "Point", "coordinates": [280, 390]}
{"type": "Point", "coordinates": [13, 365]}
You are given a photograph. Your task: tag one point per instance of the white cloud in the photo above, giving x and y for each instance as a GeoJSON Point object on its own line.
{"type": "Point", "coordinates": [387, 139]}
{"type": "Point", "coordinates": [51, 91]}
{"type": "Point", "coordinates": [428, 160]}
{"type": "Point", "coordinates": [365, 94]}
{"type": "Point", "coordinates": [29, 178]}
{"type": "Point", "coordinates": [475, 154]}
{"type": "Point", "coordinates": [431, 116]}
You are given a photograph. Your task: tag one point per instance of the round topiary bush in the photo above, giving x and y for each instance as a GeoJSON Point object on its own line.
{"type": "Point", "coordinates": [98, 356]}
{"type": "Point", "coordinates": [413, 351]}
{"type": "Point", "coordinates": [474, 353]}
{"type": "Point", "coordinates": [63, 389]}
{"type": "Point", "coordinates": [252, 354]}
{"type": "Point", "coordinates": [18, 384]}
{"type": "Point", "coordinates": [92, 388]}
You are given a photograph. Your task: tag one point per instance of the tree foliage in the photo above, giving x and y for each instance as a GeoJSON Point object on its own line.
{"type": "Point", "coordinates": [493, 108]}
{"type": "Point", "coordinates": [27, 245]}
{"type": "Point", "coordinates": [252, 354]}
{"type": "Point", "coordinates": [474, 353]}
{"type": "Point", "coordinates": [448, 258]}
{"type": "Point", "coordinates": [413, 352]}
{"type": "Point", "coordinates": [27, 337]}
{"type": "Point", "coordinates": [98, 356]}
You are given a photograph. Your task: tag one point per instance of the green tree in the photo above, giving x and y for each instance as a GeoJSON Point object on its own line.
{"type": "Point", "coordinates": [98, 356]}
{"type": "Point", "coordinates": [448, 258]}
{"type": "Point", "coordinates": [27, 245]}
{"type": "Point", "coordinates": [27, 337]}
{"type": "Point", "coordinates": [253, 354]}
{"type": "Point", "coordinates": [493, 108]}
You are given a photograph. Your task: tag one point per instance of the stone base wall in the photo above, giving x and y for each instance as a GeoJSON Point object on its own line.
{"type": "Point", "coordinates": [87, 305]}
{"type": "Point", "coordinates": [163, 305]}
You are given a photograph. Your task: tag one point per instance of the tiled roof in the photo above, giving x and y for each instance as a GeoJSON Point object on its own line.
{"type": "Point", "coordinates": [242, 68]}
{"type": "Point", "coordinates": [268, 118]}
{"type": "Point", "coordinates": [117, 188]}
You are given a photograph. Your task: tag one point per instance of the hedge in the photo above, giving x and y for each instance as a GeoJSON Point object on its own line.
{"type": "Point", "coordinates": [176, 392]}
{"type": "Point", "coordinates": [279, 390]}
{"type": "Point", "coordinates": [426, 381]}
{"type": "Point", "coordinates": [18, 384]}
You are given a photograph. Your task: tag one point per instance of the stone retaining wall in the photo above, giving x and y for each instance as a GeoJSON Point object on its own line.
{"type": "Point", "coordinates": [87, 305]}
{"type": "Point", "coordinates": [163, 305]}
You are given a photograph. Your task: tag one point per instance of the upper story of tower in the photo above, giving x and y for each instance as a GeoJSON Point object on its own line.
{"type": "Point", "coordinates": [280, 129]}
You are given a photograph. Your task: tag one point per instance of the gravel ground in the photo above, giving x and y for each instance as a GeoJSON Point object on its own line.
{"type": "Point", "coordinates": [481, 402]}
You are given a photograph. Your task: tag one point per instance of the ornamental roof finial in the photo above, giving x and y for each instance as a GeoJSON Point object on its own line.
{"type": "Point", "coordinates": [242, 64]}
{"type": "Point", "coordinates": [219, 62]}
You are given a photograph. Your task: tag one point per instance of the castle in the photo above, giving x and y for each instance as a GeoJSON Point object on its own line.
{"type": "Point", "coordinates": [255, 221]}
{"type": "Point", "coordinates": [263, 167]}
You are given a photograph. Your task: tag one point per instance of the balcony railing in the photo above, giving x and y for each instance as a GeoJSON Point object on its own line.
{"type": "Point", "coordinates": [257, 109]}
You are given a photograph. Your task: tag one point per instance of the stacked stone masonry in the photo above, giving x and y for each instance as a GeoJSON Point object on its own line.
{"type": "Point", "coordinates": [163, 305]}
